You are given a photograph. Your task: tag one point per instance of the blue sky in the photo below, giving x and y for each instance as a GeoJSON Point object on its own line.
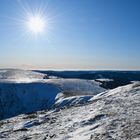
{"type": "Point", "coordinates": [81, 34]}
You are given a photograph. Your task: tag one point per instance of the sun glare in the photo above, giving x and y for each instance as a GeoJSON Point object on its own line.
{"type": "Point", "coordinates": [36, 20]}
{"type": "Point", "coordinates": [36, 24]}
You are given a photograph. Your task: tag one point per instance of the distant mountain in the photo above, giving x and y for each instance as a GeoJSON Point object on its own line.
{"type": "Point", "coordinates": [117, 78]}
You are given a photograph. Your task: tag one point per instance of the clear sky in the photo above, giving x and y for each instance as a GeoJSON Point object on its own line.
{"type": "Point", "coordinates": [78, 34]}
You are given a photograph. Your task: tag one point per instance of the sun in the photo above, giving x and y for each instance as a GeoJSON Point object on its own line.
{"type": "Point", "coordinates": [36, 24]}
{"type": "Point", "coordinates": [35, 21]}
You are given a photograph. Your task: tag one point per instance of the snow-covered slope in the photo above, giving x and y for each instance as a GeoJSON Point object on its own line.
{"type": "Point", "coordinates": [25, 97]}
{"type": "Point", "coordinates": [73, 87]}
{"type": "Point", "coordinates": [111, 115]}
{"type": "Point", "coordinates": [26, 91]}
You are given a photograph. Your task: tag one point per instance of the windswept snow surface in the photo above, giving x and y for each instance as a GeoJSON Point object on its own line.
{"type": "Point", "coordinates": [26, 91]}
{"type": "Point", "coordinates": [111, 115]}
{"type": "Point", "coordinates": [17, 75]}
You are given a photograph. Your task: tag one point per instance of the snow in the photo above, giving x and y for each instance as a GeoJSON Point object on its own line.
{"type": "Point", "coordinates": [72, 101]}
{"type": "Point", "coordinates": [17, 75]}
{"type": "Point", "coordinates": [26, 97]}
{"type": "Point", "coordinates": [66, 109]}
{"type": "Point", "coordinates": [78, 86]}
{"type": "Point", "coordinates": [114, 114]}
{"type": "Point", "coordinates": [104, 80]}
{"type": "Point", "coordinates": [26, 91]}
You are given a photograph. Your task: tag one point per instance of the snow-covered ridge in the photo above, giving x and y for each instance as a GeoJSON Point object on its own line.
{"type": "Point", "coordinates": [19, 75]}
{"type": "Point", "coordinates": [80, 109]}
{"type": "Point", "coordinates": [112, 115]}
{"type": "Point", "coordinates": [26, 91]}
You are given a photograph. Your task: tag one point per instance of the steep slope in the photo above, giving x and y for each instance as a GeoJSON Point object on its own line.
{"type": "Point", "coordinates": [25, 97]}
{"type": "Point", "coordinates": [26, 91]}
{"type": "Point", "coordinates": [111, 115]}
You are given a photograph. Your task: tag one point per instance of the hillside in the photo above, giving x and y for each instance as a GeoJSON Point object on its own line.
{"type": "Point", "coordinates": [26, 91]}
{"type": "Point", "coordinates": [112, 115]}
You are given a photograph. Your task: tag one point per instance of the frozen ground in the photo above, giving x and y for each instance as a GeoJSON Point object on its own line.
{"type": "Point", "coordinates": [79, 109]}
{"type": "Point", "coordinates": [112, 115]}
